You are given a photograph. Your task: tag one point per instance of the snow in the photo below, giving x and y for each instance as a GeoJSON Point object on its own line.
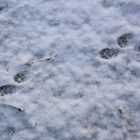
{"type": "Point", "coordinates": [65, 74]}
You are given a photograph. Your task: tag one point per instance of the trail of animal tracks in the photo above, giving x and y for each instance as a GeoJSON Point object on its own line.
{"type": "Point", "coordinates": [69, 70]}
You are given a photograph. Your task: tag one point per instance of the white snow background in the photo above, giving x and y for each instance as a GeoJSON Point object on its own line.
{"type": "Point", "coordinates": [69, 69]}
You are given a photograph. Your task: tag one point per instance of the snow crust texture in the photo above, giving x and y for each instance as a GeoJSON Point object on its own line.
{"type": "Point", "coordinates": [69, 70]}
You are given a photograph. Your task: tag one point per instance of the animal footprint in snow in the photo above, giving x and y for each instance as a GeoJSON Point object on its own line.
{"type": "Point", "coordinates": [108, 53]}
{"type": "Point", "coordinates": [107, 3]}
{"type": "Point", "coordinates": [20, 77]}
{"type": "Point", "coordinates": [124, 39]}
{"type": "Point", "coordinates": [8, 131]}
{"type": "Point", "coordinates": [7, 89]}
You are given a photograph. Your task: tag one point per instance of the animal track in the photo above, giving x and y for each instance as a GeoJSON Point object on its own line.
{"type": "Point", "coordinates": [3, 5]}
{"type": "Point", "coordinates": [7, 89]}
{"type": "Point", "coordinates": [53, 23]}
{"type": "Point", "coordinates": [9, 130]}
{"type": "Point", "coordinates": [107, 3]}
{"type": "Point", "coordinates": [108, 53]}
{"type": "Point", "coordinates": [130, 8]}
{"type": "Point", "coordinates": [124, 39]}
{"type": "Point", "coordinates": [14, 122]}
{"type": "Point", "coordinates": [1, 8]}
{"type": "Point", "coordinates": [32, 61]}
{"type": "Point", "coordinates": [20, 77]}
{"type": "Point", "coordinates": [18, 109]}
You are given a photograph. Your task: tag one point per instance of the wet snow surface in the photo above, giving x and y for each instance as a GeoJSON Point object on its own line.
{"type": "Point", "coordinates": [69, 70]}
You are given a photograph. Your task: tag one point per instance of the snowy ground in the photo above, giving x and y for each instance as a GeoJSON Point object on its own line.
{"type": "Point", "coordinates": [69, 69]}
